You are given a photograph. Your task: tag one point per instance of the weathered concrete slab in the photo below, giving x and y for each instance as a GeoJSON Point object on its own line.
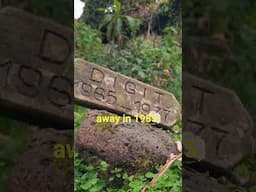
{"type": "Point", "coordinates": [36, 67]}
{"type": "Point", "coordinates": [126, 144]}
{"type": "Point", "coordinates": [216, 126]}
{"type": "Point", "coordinates": [110, 90]}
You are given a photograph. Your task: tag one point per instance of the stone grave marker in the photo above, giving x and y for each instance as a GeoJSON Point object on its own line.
{"type": "Point", "coordinates": [216, 121]}
{"type": "Point", "coordinates": [36, 68]}
{"type": "Point", "coordinates": [103, 88]}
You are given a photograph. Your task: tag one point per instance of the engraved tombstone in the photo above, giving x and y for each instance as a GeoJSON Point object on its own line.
{"type": "Point", "coordinates": [218, 120]}
{"type": "Point", "coordinates": [36, 68]}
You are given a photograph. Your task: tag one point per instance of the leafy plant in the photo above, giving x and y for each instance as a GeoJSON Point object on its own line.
{"type": "Point", "coordinates": [102, 177]}
{"type": "Point", "coordinates": [116, 23]}
{"type": "Point", "coordinates": [86, 178]}
{"type": "Point", "coordinates": [87, 42]}
{"type": "Point", "coordinates": [80, 113]}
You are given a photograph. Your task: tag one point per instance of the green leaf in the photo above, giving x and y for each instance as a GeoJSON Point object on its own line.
{"type": "Point", "coordinates": [149, 175]}
{"type": "Point", "coordinates": [98, 187]}
{"type": "Point", "coordinates": [89, 168]}
{"type": "Point", "coordinates": [103, 166]}
{"type": "Point", "coordinates": [142, 74]}
{"type": "Point", "coordinates": [109, 31]}
{"type": "Point", "coordinates": [106, 20]}
{"type": "Point", "coordinates": [132, 24]}
{"type": "Point", "coordinates": [117, 7]}
{"type": "Point", "coordinates": [118, 27]}
{"type": "Point", "coordinates": [88, 185]}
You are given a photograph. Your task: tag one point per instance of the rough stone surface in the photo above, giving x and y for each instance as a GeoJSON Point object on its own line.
{"type": "Point", "coordinates": [39, 170]}
{"type": "Point", "coordinates": [194, 181]}
{"type": "Point", "coordinates": [216, 116]}
{"type": "Point", "coordinates": [131, 144]}
{"type": "Point", "coordinates": [112, 91]}
{"type": "Point", "coordinates": [36, 67]}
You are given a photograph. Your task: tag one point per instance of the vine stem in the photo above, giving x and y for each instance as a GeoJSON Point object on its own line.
{"type": "Point", "coordinates": [169, 162]}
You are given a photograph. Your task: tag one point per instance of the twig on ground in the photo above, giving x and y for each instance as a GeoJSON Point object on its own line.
{"type": "Point", "coordinates": [169, 162]}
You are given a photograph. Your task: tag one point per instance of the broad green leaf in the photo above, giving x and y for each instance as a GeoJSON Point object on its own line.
{"type": "Point", "coordinates": [117, 7]}
{"type": "Point", "coordinates": [132, 24]}
{"type": "Point", "coordinates": [149, 175]}
{"type": "Point", "coordinates": [109, 31]}
{"type": "Point", "coordinates": [118, 27]}
{"type": "Point", "coordinates": [104, 166]}
{"type": "Point", "coordinates": [106, 20]}
{"type": "Point", "coordinates": [142, 74]}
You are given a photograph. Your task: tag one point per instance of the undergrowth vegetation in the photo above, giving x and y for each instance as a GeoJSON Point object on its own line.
{"type": "Point", "coordinates": [103, 177]}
